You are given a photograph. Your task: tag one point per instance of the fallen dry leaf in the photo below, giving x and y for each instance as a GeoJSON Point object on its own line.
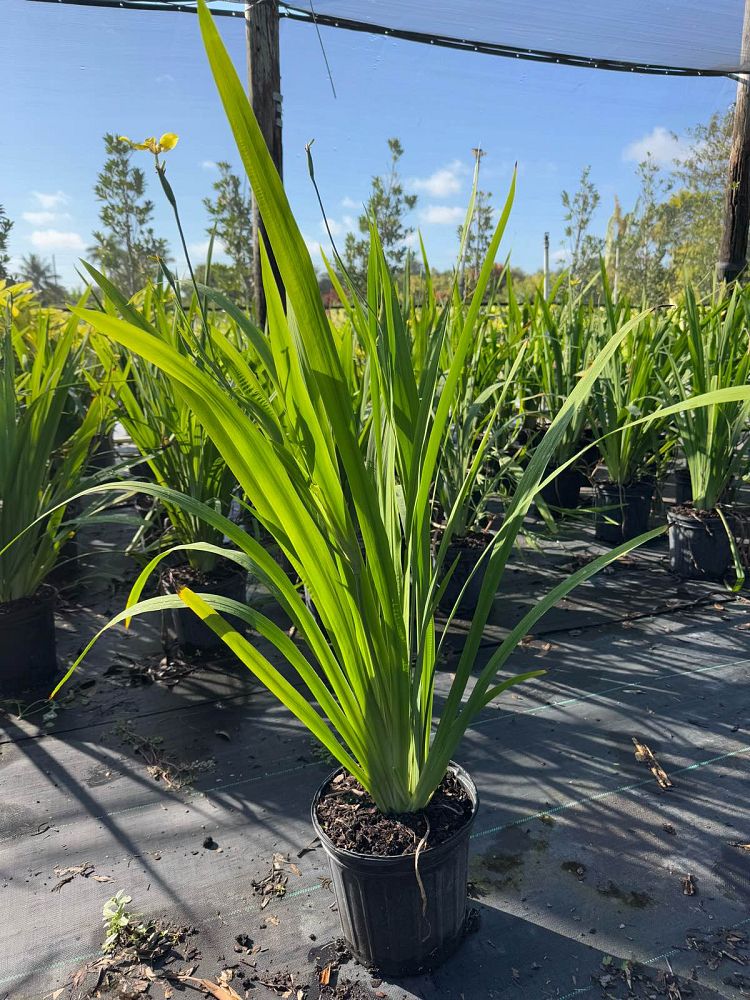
{"type": "Point", "coordinates": [325, 976]}
{"type": "Point", "coordinates": [68, 874]}
{"type": "Point", "coordinates": [217, 990]}
{"type": "Point", "coordinates": [645, 755]}
{"type": "Point", "coordinates": [688, 885]}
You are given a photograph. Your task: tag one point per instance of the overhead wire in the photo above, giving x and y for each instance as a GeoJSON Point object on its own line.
{"type": "Point", "coordinates": [236, 8]}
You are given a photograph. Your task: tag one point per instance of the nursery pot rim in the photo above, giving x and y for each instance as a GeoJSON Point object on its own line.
{"type": "Point", "coordinates": [394, 862]}
{"type": "Point", "coordinates": [45, 593]}
{"type": "Point", "coordinates": [634, 487]}
{"type": "Point", "coordinates": [692, 518]}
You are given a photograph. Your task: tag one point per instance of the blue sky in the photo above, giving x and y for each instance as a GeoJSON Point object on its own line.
{"type": "Point", "coordinates": [69, 74]}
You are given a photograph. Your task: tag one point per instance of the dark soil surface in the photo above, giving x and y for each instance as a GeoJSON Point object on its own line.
{"type": "Point", "coordinates": [42, 595]}
{"type": "Point", "coordinates": [687, 510]}
{"type": "Point", "coordinates": [185, 576]}
{"type": "Point", "coordinates": [349, 816]}
{"type": "Point", "coordinates": [473, 541]}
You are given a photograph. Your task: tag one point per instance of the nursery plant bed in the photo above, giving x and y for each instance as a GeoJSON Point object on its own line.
{"type": "Point", "coordinates": [577, 858]}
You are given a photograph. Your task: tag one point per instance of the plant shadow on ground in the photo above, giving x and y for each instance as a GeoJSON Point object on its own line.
{"type": "Point", "coordinates": [571, 837]}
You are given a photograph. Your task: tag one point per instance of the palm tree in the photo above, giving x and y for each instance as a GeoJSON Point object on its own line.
{"type": "Point", "coordinates": [43, 277]}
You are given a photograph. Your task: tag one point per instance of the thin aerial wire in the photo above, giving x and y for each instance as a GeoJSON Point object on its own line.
{"type": "Point", "coordinates": [322, 48]}
{"type": "Point", "coordinates": [425, 38]}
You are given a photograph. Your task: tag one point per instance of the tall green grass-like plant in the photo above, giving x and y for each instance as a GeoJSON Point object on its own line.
{"type": "Point", "coordinates": [161, 423]}
{"type": "Point", "coordinates": [628, 391]}
{"type": "Point", "coordinates": [352, 516]}
{"type": "Point", "coordinates": [43, 452]}
{"type": "Point", "coordinates": [712, 352]}
{"type": "Point", "coordinates": [565, 332]}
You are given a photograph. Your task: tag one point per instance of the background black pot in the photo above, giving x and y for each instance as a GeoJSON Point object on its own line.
{"type": "Point", "coordinates": [27, 643]}
{"type": "Point", "coordinates": [699, 547]}
{"type": "Point", "coordinates": [628, 511]}
{"type": "Point", "coordinates": [380, 904]}
{"type": "Point", "coordinates": [564, 490]}
{"type": "Point", "coordinates": [683, 487]}
{"type": "Point", "coordinates": [468, 551]}
{"type": "Point", "coordinates": [102, 454]}
{"type": "Point", "coordinates": [188, 630]}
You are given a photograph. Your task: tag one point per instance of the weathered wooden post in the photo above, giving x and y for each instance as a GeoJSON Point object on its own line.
{"type": "Point", "coordinates": [733, 251]}
{"type": "Point", "coordinates": [264, 79]}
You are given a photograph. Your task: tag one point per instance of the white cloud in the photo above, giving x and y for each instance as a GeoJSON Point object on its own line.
{"type": "Point", "coordinates": [209, 165]}
{"type": "Point", "coordinates": [561, 256]}
{"type": "Point", "coordinates": [338, 227]}
{"type": "Point", "coordinates": [165, 78]}
{"type": "Point", "coordinates": [49, 201]}
{"type": "Point", "coordinates": [663, 146]}
{"type": "Point", "coordinates": [442, 215]}
{"type": "Point", "coordinates": [39, 218]}
{"type": "Point", "coordinates": [315, 249]}
{"type": "Point", "coordinates": [200, 249]}
{"type": "Point", "coordinates": [443, 182]}
{"type": "Point", "coordinates": [348, 202]}
{"type": "Point", "coordinates": [54, 239]}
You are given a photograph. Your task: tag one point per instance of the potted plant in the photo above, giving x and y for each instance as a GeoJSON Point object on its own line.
{"type": "Point", "coordinates": [478, 464]}
{"type": "Point", "coordinates": [713, 354]}
{"type": "Point", "coordinates": [175, 450]}
{"type": "Point", "coordinates": [41, 466]}
{"type": "Point", "coordinates": [353, 516]}
{"type": "Point", "coordinates": [629, 444]}
{"type": "Point", "coordinates": [563, 338]}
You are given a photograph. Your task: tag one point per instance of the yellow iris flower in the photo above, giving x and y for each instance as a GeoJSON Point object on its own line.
{"type": "Point", "coordinates": [165, 142]}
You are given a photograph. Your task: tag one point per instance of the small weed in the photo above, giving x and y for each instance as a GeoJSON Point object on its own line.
{"type": "Point", "coordinates": [123, 928]}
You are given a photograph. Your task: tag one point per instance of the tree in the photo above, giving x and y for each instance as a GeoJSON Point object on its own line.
{"type": "Point", "coordinates": [694, 212]}
{"type": "Point", "coordinates": [387, 206]}
{"type": "Point", "coordinates": [478, 238]}
{"type": "Point", "coordinates": [43, 277]}
{"type": "Point", "coordinates": [645, 243]}
{"type": "Point", "coordinates": [126, 246]}
{"type": "Point", "coordinates": [232, 215]}
{"type": "Point", "coordinates": [584, 248]}
{"type": "Point", "coordinates": [5, 227]}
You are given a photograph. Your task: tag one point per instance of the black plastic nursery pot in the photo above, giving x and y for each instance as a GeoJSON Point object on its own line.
{"type": "Point", "coordinates": [565, 489]}
{"type": "Point", "coordinates": [28, 658]}
{"type": "Point", "coordinates": [468, 550]}
{"type": "Point", "coordinates": [102, 454]}
{"type": "Point", "coordinates": [189, 632]}
{"type": "Point", "coordinates": [383, 917]}
{"type": "Point", "coordinates": [627, 511]}
{"type": "Point", "coordinates": [699, 546]}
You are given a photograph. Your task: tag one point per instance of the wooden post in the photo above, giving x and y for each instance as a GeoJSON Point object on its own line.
{"type": "Point", "coordinates": [264, 79]}
{"type": "Point", "coordinates": [546, 265]}
{"type": "Point", "coordinates": [733, 251]}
